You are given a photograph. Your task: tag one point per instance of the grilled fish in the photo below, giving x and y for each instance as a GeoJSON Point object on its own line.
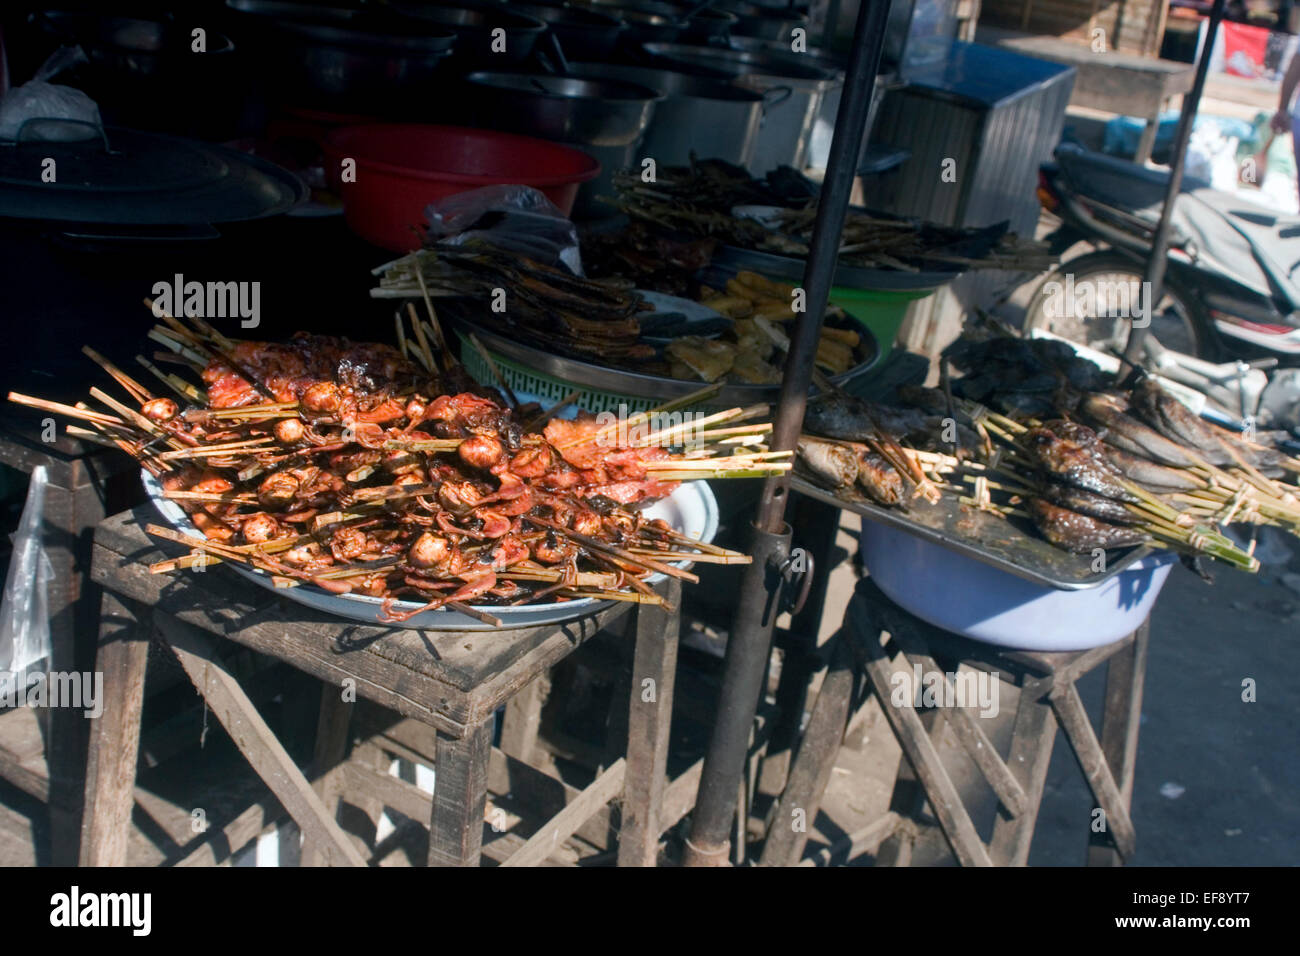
{"type": "Point", "coordinates": [1077, 532]}
{"type": "Point", "coordinates": [1076, 462]}
{"type": "Point", "coordinates": [1128, 434]}
{"type": "Point", "coordinates": [1086, 503]}
{"type": "Point", "coordinates": [880, 479]}
{"type": "Point", "coordinates": [827, 463]}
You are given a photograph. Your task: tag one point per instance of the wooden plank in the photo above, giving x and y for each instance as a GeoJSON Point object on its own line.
{"type": "Point", "coordinates": [331, 744]}
{"type": "Point", "coordinates": [257, 742]}
{"type": "Point", "coordinates": [563, 825]}
{"type": "Point", "coordinates": [1092, 761]}
{"type": "Point", "coordinates": [1032, 738]}
{"type": "Point", "coordinates": [115, 737]}
{"type": "Point", "coordinates": [459, 797]}
{"type": "Point", "coordinates": [222, 844]}
{"type": "Point", "coordinates": [679, 796]}
{"type": "Point", "coordinates": [921, 753]}
{"type": "Point", "coordinates": [523, 717]}
{"type": "Point", "coordinates": [971, 736]}
{"type": "Point", "coordinates": [814, 762]}
{"type": "Point", "coordinates": [856, 843]}
{"type": "Point", "coordinates": [648, 725]}
{"type": "Point", "coordinates": [406, 798]}
{"type": "Point", "coordinates": [1121, 716]}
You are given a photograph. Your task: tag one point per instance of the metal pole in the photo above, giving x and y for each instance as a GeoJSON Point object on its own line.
{"type": "Point", "coordinates": [751, 633]}
{"type": "Point", "coordinates": [1154, 277]}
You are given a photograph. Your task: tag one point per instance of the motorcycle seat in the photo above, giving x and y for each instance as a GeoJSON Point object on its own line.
{"type": "Point", "coordinates": [1118, 182]}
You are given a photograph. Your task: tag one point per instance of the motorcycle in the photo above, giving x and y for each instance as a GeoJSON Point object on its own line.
{"type": "Point", "coordinates": [1228, 320]}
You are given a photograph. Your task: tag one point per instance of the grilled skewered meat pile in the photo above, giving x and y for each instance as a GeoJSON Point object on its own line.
{"type": "Point", "coordinates": [351, 467]}
{"type": "Point", "coordinates": [543, 305]}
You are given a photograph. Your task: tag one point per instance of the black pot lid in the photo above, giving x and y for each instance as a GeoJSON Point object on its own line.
{"type": "Point", "coordinates": [142, 178]}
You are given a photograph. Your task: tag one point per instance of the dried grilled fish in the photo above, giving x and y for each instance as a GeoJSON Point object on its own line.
{"type": "Point", "coordinates": [828, 463]}
{"type": "Point", "coordinates": [1077, 532]}
{"type": "Point", "coordinates": [1077, 463]}
{"type": "Point", "coordinates": [1175, 420]}
{"type": "Point", "coordinates": [1149, 474]}
{"type": "Point", "coordinates": [879, 478]}
{"type": "Point", "coordinates": [1128, 434]}
{"type": "Point", "coordinates": [1086, 503]}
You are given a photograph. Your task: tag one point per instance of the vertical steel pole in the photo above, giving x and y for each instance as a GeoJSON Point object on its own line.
{"type": "Point", "coordinates": [751, 633]}
{"type": "Point", "coordinates": [1154, 277]}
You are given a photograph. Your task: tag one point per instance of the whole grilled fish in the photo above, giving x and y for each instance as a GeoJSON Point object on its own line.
{"type": "Point", "coordinates": [1149, 474]}
{"type": "Point", "coordinates": [828, 463]}
{"type": "Point", "coordinates": [1175, 420]}
{"type": "Point", "coordinates": [1086, 503]}
{"type": "Point", "coordinates": [880, 479]}
{"type": "Point", "coordinates": [1079, 533]}
{"type": "Point", "coordinates": [1076, 462]}
{"type": "Point", "coordinates": [1128, 434]}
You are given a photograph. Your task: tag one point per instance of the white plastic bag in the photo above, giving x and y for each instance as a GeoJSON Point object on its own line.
{"type": "Point", "coordinates": [39, 99]}
{"type": "Point", "coordinates": [24, 613]}
{"type": "Point", "coordinates": [516, 218]}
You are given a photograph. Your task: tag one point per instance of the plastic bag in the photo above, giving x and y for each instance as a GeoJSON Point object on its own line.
{"type": "Point", "coordinates": [24, 613]}
{"type": "Point", "coordinates": [39, 99]}
{"type": "Point", "coordinates": [516, 218]}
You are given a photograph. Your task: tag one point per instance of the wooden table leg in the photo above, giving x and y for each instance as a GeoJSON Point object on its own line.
{"type": "Point", "coordinates": [811, 772]}
{"type": "Point", "coordinates": [331, 745]}
{"type": "Point", "coordinates": [460, 797]}
{"type": "Point", "coordinates": [1032, 738]}
{"type": "Point", "coordinates": [1125, 677]}
{"type": "Point", "coordinates": [115, 736]}
{"type": "Point", "coordinates": [1147, 141]}
{"type": "Point", "coordinates": [255, 740]}
{"type": "Point", "coordinates": [650, 710]}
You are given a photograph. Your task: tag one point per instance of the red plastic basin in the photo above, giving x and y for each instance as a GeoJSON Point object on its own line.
{"type": "Point", "coordinates": [402, 167]}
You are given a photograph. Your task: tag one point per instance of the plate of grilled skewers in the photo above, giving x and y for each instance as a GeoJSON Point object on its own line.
{"type": "Point", "coordinates": [381, 483]}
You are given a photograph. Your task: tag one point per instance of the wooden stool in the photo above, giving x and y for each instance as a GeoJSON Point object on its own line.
{"type": "Point", "coordinates": [1047, 696]}
{"type": "Point", "coordinates": [44, 753]}
{"type": "Point", "coordinates": [451, 682]}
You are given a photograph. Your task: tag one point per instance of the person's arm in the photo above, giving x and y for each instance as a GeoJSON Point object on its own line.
{"type": "Point", "coordinates": [1282, 119]}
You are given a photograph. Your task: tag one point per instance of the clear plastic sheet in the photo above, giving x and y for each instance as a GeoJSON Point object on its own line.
{"type": "Point", "coordinates": [517, 218]}
{"type": "Point", "coordinates": [24, 613]}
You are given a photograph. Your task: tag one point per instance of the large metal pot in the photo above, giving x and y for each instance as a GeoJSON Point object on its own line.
{"type": "Point", "coordinates": [605, 118]}
{"type": "Point", "coordinates": [571, 110]}
{"type": "Point", "coordinates": [643, 22]}
{"type": "Point", "coordinates": [763, 22]}
{"type": "Point", "coordinates": [583, 32]}
{"type": "Point", "coordinates": [715, 120]}
{"type": "Point", "coordinates": [337, 59]}
{"type": "Point", "coordinates": [474, 25]}
{"type": "Point", "coordinates": [793, 89]}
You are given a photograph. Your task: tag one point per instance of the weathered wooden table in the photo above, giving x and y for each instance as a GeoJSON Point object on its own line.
{"type": "Point", "coordinates": [1122, 83]}
{"type": "Point", "coordinates": [51, 766]}
{"type": "Point", "coordinates": [452, 682]}
{"type": "Point", "coordinates": [880, 646]}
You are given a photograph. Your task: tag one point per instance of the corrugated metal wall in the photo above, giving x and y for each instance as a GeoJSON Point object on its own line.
{"type": "Point", "coordinates": [998, 142]}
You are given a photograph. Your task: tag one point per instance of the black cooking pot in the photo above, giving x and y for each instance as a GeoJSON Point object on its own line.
{"type": "Point", "coordinates": [144, 73]}
{"type": "Point", "coordinates": [474, 25]}
{"type": "Point", "coordinates": [583, 32]}
{"type": "Point", "coordinates": [338, 59]}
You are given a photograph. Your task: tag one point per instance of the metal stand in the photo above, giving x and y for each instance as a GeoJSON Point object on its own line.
{"type": "Point", "coordinates": [751, 635]}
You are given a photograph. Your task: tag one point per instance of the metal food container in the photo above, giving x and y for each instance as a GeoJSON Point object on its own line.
{"type": "Point", "coordinates": [793, 90]}
{"type": "Point", "coordinates": [713, 119]}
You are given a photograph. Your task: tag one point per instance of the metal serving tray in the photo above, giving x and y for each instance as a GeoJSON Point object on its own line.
{"type": "Point", "coordinates": [1002, 543]}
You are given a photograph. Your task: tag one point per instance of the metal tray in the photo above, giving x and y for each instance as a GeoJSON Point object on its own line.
{"type": "Point", "coordinates": [985, 537]}
{"type": "Point", "coordinates": [637, 384]}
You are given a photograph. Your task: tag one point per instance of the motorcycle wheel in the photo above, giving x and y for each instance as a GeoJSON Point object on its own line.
{"type": "Point", "coordinates": [1177, 321]}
